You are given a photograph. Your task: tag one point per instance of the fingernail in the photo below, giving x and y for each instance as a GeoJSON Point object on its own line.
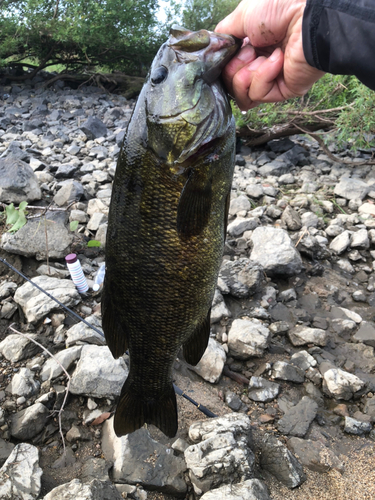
{"type": "Point", "coordinates": [246, 54]}
{"type": "Point", "coordinates": [253, 66]}
{"type": "Point", "coordinates": [275, 55]}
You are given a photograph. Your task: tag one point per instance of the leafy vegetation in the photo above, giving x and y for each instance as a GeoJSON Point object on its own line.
{"type": "Point", "coordinates": [15, 218]}
{"type": "Point", "coordinates": [206, 14]}
{"type": "Point", "coordinates": [338, 103]}
{"type": "Point", "coordinates": [79, 34]}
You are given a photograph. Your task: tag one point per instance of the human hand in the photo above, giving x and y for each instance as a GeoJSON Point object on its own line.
{"type": "Point", "coordinates": [273, 68]}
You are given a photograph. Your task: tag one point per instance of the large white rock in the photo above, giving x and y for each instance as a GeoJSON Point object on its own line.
{"type": "Point", "coordinates": [23, 383]}
{"type": "Point", "coordinates": [98, 374]}
{"type": "Point", "coordinates": [15, 347]}
{"type": "Point", "coordinates": [275, 252]}
{"type": "Point", "coordinates": [339, 383]}
{"type": "Point", "coordinates": [351, 188]}
{"type": "Point", "coordinates": [77, 490]}
{"type": "Point", "coordinates": [36, 305]}
{"type": "Point", "coordinates": [211, 365]}
{"type": "Point", "coordinates": [251, 489]}
{"type": "Point", "coordinates": [20, 476]}
{"type": "Point", "coordinates": [302, 335]}
{"type": "Point", "coordinates": [222, 452]}
{"type": "Point", "coordinates": [248, 338]}
{"type": "Point", "coordinates": [340, 243]}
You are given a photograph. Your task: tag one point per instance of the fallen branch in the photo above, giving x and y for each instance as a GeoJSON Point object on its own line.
{"type": "Point", "coordinates": [66, 373]}
{"type": "Point", "coordinates": [331, 155]}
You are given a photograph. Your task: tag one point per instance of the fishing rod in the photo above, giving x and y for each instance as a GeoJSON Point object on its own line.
{"type": "Point", "coordinates": [177, 390]}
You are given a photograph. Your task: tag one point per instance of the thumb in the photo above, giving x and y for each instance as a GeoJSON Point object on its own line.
{"type": "Point", "coordinates": [233, 24]}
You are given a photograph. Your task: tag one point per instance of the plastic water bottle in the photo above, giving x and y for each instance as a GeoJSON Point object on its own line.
{"type": "Point", "coordinates": [99, 278]}
{"type": "Point", "coordinates": [76, 272]}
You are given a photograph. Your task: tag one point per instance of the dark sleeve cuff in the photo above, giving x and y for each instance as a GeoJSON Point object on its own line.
{"type": "Point", "coordinates": [339, 37]}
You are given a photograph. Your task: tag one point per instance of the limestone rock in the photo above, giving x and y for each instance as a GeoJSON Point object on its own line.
{"type": "Point", "coordinates": [15, 348]}
{"type": "Point", "coordinates": [297, 419]}
{"type": "Point", "coordinates": [211, 365]}
{"type": "Point", "coordinates": [98, 374]}
{"type": "Point", "coordinates": [241, 277]}
{"type": "Point", "coordinates": [261, 389]}
{"type": "Point", "coordinates": [20, 476]}
{"type": "Point", "coordinates": [339, 383]}
{"type": "Point", "coordinates": [302, 335]}
{"type": "Point", "coordinates": [36, 305]}
{"type": "Point", "coordinates": [29, 422]}
{"type": "Point", "coordinates": [251, 489]}
{"type": "Point", "coordinates": [160, 469]}
{"type": "Point", "coordinates": [52, 369]}
{"type": "Point", "coordinates": [77, 490]}
{"type": "Point", "coordinates": [248, 338]}
{"type": "Point", "coordinates": [17, 181]}
{"type": "Point", "coordinates": [275, 252]}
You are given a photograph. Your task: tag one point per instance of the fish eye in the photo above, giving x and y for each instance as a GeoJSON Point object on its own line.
{"type": "Point", "coordinates": [159, 75]}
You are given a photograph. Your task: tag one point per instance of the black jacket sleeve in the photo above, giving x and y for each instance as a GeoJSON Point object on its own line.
{"type": "Point", "coordinates": [339, 37]}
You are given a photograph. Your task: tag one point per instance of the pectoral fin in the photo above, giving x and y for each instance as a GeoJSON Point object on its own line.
{"type": "Point", "coordinates": [194, 207]}
{"type": "Point", "coordinates": [195, 346]}
{"type": "Point", "coordinates": [114, 333]}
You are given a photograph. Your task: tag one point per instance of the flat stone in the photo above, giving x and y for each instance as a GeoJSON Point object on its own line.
{"type": "Point", "coordinates": [52, 367]}
{"type": "Point", "coordinates": [302, 335]}
{"type": "Point", "coordinates": [353, 426]}
{"type": "Point", "coordinates": [15, 348]}
{"type": "Point", "coordinates": [20, 476]}
{"type": "Point", "coordinates": [161, 470]}
{"type": "Point", "coordinates": [339, 244]}
{"type": "Point", "coordinates": [314, 455]}
{"type": "Point", "coordinates": [77, 490]}
{"type": "Point", "coordinates": [279, 461]}
{"type": "Point", "coordinates": [263, 390]}
{"type": "Point", "coordinates": [94, 128]}
{"type": "Point", "coordinates": [248, 338]}
{"type": "Point", "coordinates": [251, 489]}
{"type": "Point", "coordinates": [351, 188]}
{"type": "Point", "coordinates": [367, 208]}
{"type": "Point", "coordinates": [29, 422]}
{"type": "Point", "coordinates": [285, 371]}
{"type": "Point", "coordinates": [210, 366]}
{"type": "Point", "coordinates": [36, 305]}
{"type": "Point", "coordinates": [242, 224]}
{"type": "Point", "coordinates": [275, 252]}
{"type": "Point", "coordinates": [98, 374]}
{"type": "Point", "coordinates": [81, 333]}
{"type": "Point", "coordinates": [365, 334]}
{"type": "Point", "coordinates": [297, 420]}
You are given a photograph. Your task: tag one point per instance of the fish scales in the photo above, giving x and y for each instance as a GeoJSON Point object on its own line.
{"type": "Point", "coordinates": [167, 223]}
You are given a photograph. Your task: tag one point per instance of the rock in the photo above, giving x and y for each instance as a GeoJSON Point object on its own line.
{"type": "Point", "coordinates": [20, 476]}
{"type": "Point", "coordinates": [94, 128]}
{"type": "Point", "coordinates": [360, 239]}
{"type": "Point", "coordinates": [365, 334]}
{"type": "Point", "coordinates": [254, 191]}
{"type": "Point", "coordinates": [275, 252]}
{"type": "Point", "coordinates": [297, 420]}
{"type": "Point", "coordinates": [314, 455]}
{"type": "Point", "coordinates": [161, 470]}
{"type": "Point", "coordinates": [239, 204]}
{"type": "Point", "coordinates": [222, 452]}
{"type": "Point", "coordinates": [98, 374]}
{"type": "Point", "coordinates": [353, 426]}
{"type": "Point", "coordinates": [17, 181]}
{"type": "Point", "coordinates": [351, 188]}
{"type": "Point", "coordinates": [36, 305]}
{"type": "Point", "coordinates": [81, 333]}
{"type": "Point", "coordinates": [302, 335]}
{"type": "Point", "coordinates": [6, 449]}
{"type": "Point", "coordinates": [251, 489]}
{"type": "Point", "coordinates": [95, 468]}
{"type": "Point", "coordinates": [211, 365]}
{"type": "Point", "coordinates": [242, 224]}
{"type": "Point", "coordinates": [77, 490]}
{"type": "Point", "coordinates": [367, 208]}
{"type": "Point", "coordinates": [275, 168]}
{"type": "Point", "coordinates": [52, 367]}
{"type": "Point", "coordinates": [66, 171]}
{"type": "Point", "coordinates": [262, 390]}
{"type": "Point", "coordinates": [303, 360]}
{"type": "Point", "coordinates": [23, 384]}
{"type": "Point", "coordinates": [309, 219]}
{"type": "Point", "coordinates": [15, 348]}
{"type": "Point", "coordinates": [285, 371]}
{"type": "Point", "coordinates": [219, 309]}
{"type": "Point", "coordinates": [241, 277]}
{"type": "Point", "coordinates": [6, 289]}
{"type": "Point", "coordinates": [339, 244]}
{"type": "Point", "coordinates": [29, 422]}
{"type": "Point", "coordinates": [70, 191]}
{"type": "Point", "coordinates": [30, 240]}
{"type": "Point", "coordinates": [338, 383]}
{"type": "Point", "coordinates": [279, 461]}
{"type": "Point", "coordinates": [248, 338]}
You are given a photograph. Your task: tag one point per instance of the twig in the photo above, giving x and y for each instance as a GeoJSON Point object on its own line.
{"type": "Point", "coordinates": [56, 9]}
{"type": "Point", "coordinates": [302, 235]}
{"type": "Point", "coordinates": [328, 152]}
{"type": "Point", "coordinates": [66, 373]}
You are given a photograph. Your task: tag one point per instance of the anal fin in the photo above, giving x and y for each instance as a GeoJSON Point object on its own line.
{"type": "Point", "coordinates": [197, 343]}
{"type": "Point", "coordinates": [115, 335]}
{"type": "Point", "coordinates": [133, 411]}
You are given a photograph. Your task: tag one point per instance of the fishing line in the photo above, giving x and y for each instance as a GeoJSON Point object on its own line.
{"type": "Point", "coordinates": [177, 390]}
{"type": "Point", "coordinates": [72, 313]}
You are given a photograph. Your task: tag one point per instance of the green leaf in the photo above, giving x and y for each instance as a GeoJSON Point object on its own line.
{"type": "Point", "coordinates": [12, 214]}
{"type": "Point", "coordinates": [22, 205]}
{"type": "Point", "coordinates": [93, 243]}
{"type": "Point", "coordinates": [21, 221]}
{"type": "Point", "coordinates": [73, 225]}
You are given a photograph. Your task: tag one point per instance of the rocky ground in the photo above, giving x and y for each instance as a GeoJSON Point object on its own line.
{"type": "Point", "coordinates": [290, 367]}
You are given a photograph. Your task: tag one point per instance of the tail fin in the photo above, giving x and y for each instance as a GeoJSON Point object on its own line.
{"type": "Point", "coordinates": [133, 411]}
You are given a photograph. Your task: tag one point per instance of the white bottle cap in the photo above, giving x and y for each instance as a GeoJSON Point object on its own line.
{"type": "Point", "coordinates": [95, 287]}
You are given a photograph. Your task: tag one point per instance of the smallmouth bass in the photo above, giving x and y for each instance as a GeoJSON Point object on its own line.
{"type": "Point", "coordinates": [167, 223]}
